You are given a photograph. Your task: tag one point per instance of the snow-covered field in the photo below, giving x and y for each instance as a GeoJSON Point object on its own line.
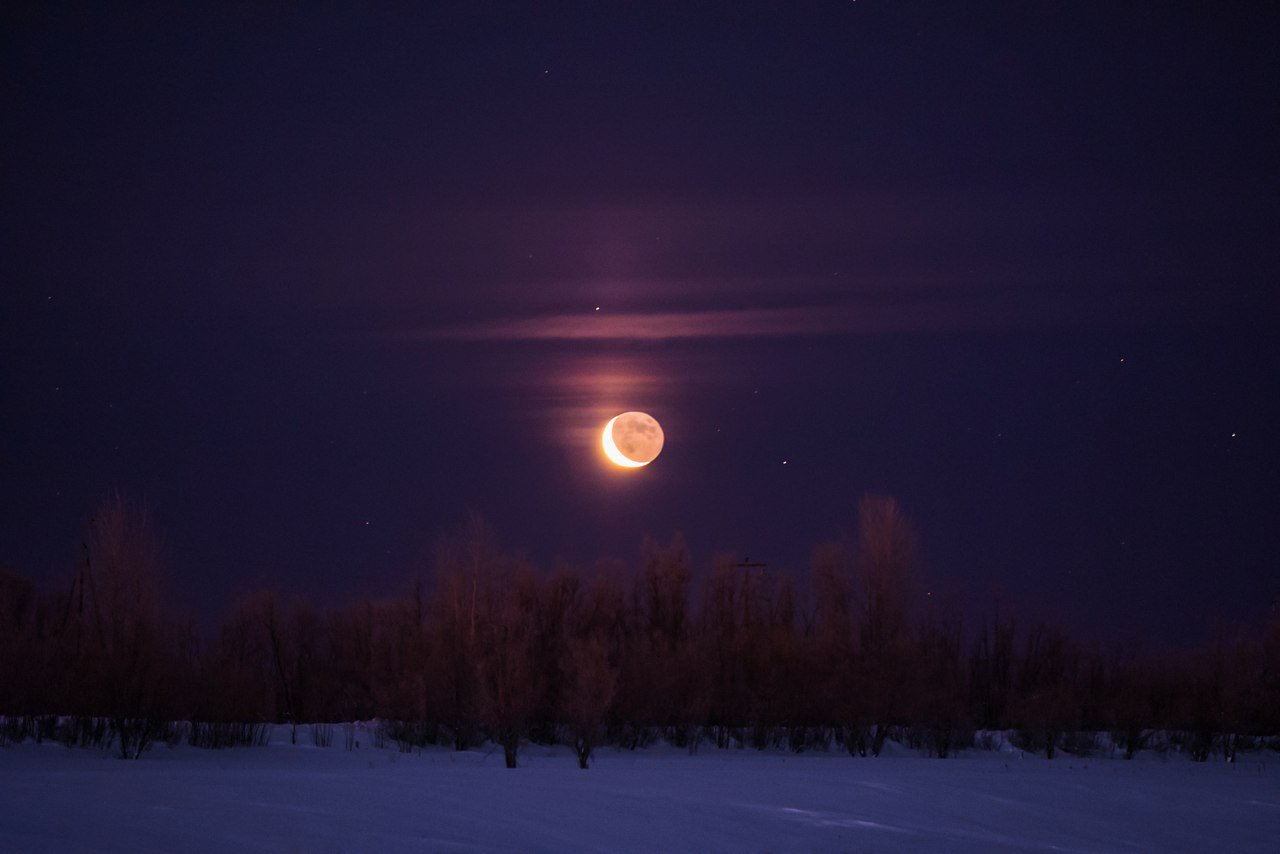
{"type": "Point", "coordinates": [309, 799]}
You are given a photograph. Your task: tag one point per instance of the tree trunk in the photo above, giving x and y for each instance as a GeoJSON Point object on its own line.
{"type": "Point", "coordinates": [510, 745]}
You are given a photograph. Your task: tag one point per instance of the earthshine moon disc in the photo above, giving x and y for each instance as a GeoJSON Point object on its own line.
{"type": "Point", "coordinates": [632, 439]}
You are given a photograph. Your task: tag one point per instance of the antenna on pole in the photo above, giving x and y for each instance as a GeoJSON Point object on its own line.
{"type": "Point", "coordinates": [750, 568]}
{"type": "Point", "coordinates": [755, 578]}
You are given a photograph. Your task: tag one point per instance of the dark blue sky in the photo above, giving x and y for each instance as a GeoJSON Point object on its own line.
{"type": "Point", "coordinates": [313, 284]}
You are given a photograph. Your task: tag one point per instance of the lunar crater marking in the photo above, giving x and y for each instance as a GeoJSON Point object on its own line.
{"type": "Point", "coordinates": [632, 439]}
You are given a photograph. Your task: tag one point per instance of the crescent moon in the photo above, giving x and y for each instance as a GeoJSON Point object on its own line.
{"type": "Point", "coordinates": [632, 439]}
{"type": "Point", "coordinates": [611, 449]}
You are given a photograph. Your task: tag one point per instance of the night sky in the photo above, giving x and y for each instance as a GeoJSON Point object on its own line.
{"type": "Point", "coordinates": [314, 285]}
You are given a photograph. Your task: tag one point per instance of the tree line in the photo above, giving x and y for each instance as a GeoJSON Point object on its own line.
{"type": "Point", "coordinates": [492, 649]}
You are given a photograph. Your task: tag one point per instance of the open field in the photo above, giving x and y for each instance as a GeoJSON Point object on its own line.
{"type": "Point", "coordinates": [308, 799]}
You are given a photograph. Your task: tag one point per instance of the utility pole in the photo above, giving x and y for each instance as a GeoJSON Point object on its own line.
{"type": "Point", "coordinates": [748, 567]}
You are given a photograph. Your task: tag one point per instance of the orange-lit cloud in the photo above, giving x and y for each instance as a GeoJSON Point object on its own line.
{"type": "Point", "coordinates": [727, 323]}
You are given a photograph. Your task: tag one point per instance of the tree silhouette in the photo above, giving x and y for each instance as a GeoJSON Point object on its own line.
{"type": "Point", "coordinates": [886, 565]}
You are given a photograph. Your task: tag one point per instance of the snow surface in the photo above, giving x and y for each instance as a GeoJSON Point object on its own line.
{"type": "Point", "coordinates": [309, 799]}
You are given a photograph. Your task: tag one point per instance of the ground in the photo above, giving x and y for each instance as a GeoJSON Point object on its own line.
{"type": "Point", "coordinates": [310, 799]}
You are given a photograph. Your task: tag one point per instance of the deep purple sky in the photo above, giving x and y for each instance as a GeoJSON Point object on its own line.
{"type": "Point", "coordinates": [313, 285]}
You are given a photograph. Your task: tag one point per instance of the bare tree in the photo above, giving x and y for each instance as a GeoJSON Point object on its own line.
{"type": "Point", "coordinates": [991, 672]}
{"type": "Point", "coordinates": [17, 647]}
{"type": "Point", "coordinates": [119, 612]}
{"type": "Point", "coordinates": [240, 668]}
{"type": "Point", "coordinates": [1269, 713]}
{"type": "Point", "coordinates": [727, 606]}
{"type": "Point", "coordinates": [463, 561]}
{"type": "Point", "coordinates": [590, 681]}
{"type": "Point", "coordinates": [1130, 701]}
{"type": "Point", "coordinates": [940, 691]}
{"type": "Point", "coordinates": [400, 648]}
{"type": "Point", "coordinates": [886, 563]}
{"type": "Point", "coordinates": [556, 615]}
{"type": "Point", "coordinates": [488, 631]}
{"type": "Point", "coordinates": [838, 675]}
{"type": "Point", "coordinates": [287, 659]}
{"type": "Point", "coordinates": [509, 677]}
{"type": "Point", "coordinates": [832, 582]}
{"type": "Point", "coordinates": [664, 592]}
{"type": "Point", "coordinates": [1047, 705]}
{"type": "Point", "coordinates": [670, 664]}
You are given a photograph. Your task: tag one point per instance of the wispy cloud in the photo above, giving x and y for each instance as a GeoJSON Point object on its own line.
{"type": "Point", "coordinates": [726, 323]}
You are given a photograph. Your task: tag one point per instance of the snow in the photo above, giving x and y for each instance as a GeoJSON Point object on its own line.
{"type": "Point", "coordinates": [308, 799]}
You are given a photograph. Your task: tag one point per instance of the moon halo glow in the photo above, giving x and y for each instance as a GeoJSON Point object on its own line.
{"type": "Point", "coordinates": [632, 440]}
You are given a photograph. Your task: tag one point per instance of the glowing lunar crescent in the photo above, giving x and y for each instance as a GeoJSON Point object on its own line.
{"type": "Point", "coordinates": [632, 439]}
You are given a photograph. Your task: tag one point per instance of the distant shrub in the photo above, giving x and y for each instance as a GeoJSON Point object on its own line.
{"type": "Point", "coordinates": [1036, 740]}
{"type": "Point", "coordinates": [322, 735]}
{"type": "Point", "coordinates": [1079, 743]}
{"type": "Point", "coordinates": [989, 739]}
{"type": "Point", "coordinates": [45, 728]}
{"type": "Point", "coordinates": [763, 737]}
{"type": "Point", "coordinates": [219, 735]}
{"type": "Point", "coordinates": [629, 736]}
{"type": "Point", "coordinates": [940, 742]}
{"type": "Point", "coordinates": [802, 738]}
{"type": "Point", "coordinates": [14, 730]}
{"type": "Point", "coordinates": [174, 733]}
{"type": "Point", "coordinates": [136, 734]}
{"type": "Point", "coordinates": [1131, 739]}
{"type": "Point", "coordinates": [856, 739]}
{"type": "Point", "coordinates": [682, 735]}
{"type": "Point", "coordinates": [1161, 741]}
{"type": "Point", "coordinates": [1201, 743]}
{"type": "Point", "coordinates": [84, 731]}
{"type": "Point", "coordinates": [408, 734]}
